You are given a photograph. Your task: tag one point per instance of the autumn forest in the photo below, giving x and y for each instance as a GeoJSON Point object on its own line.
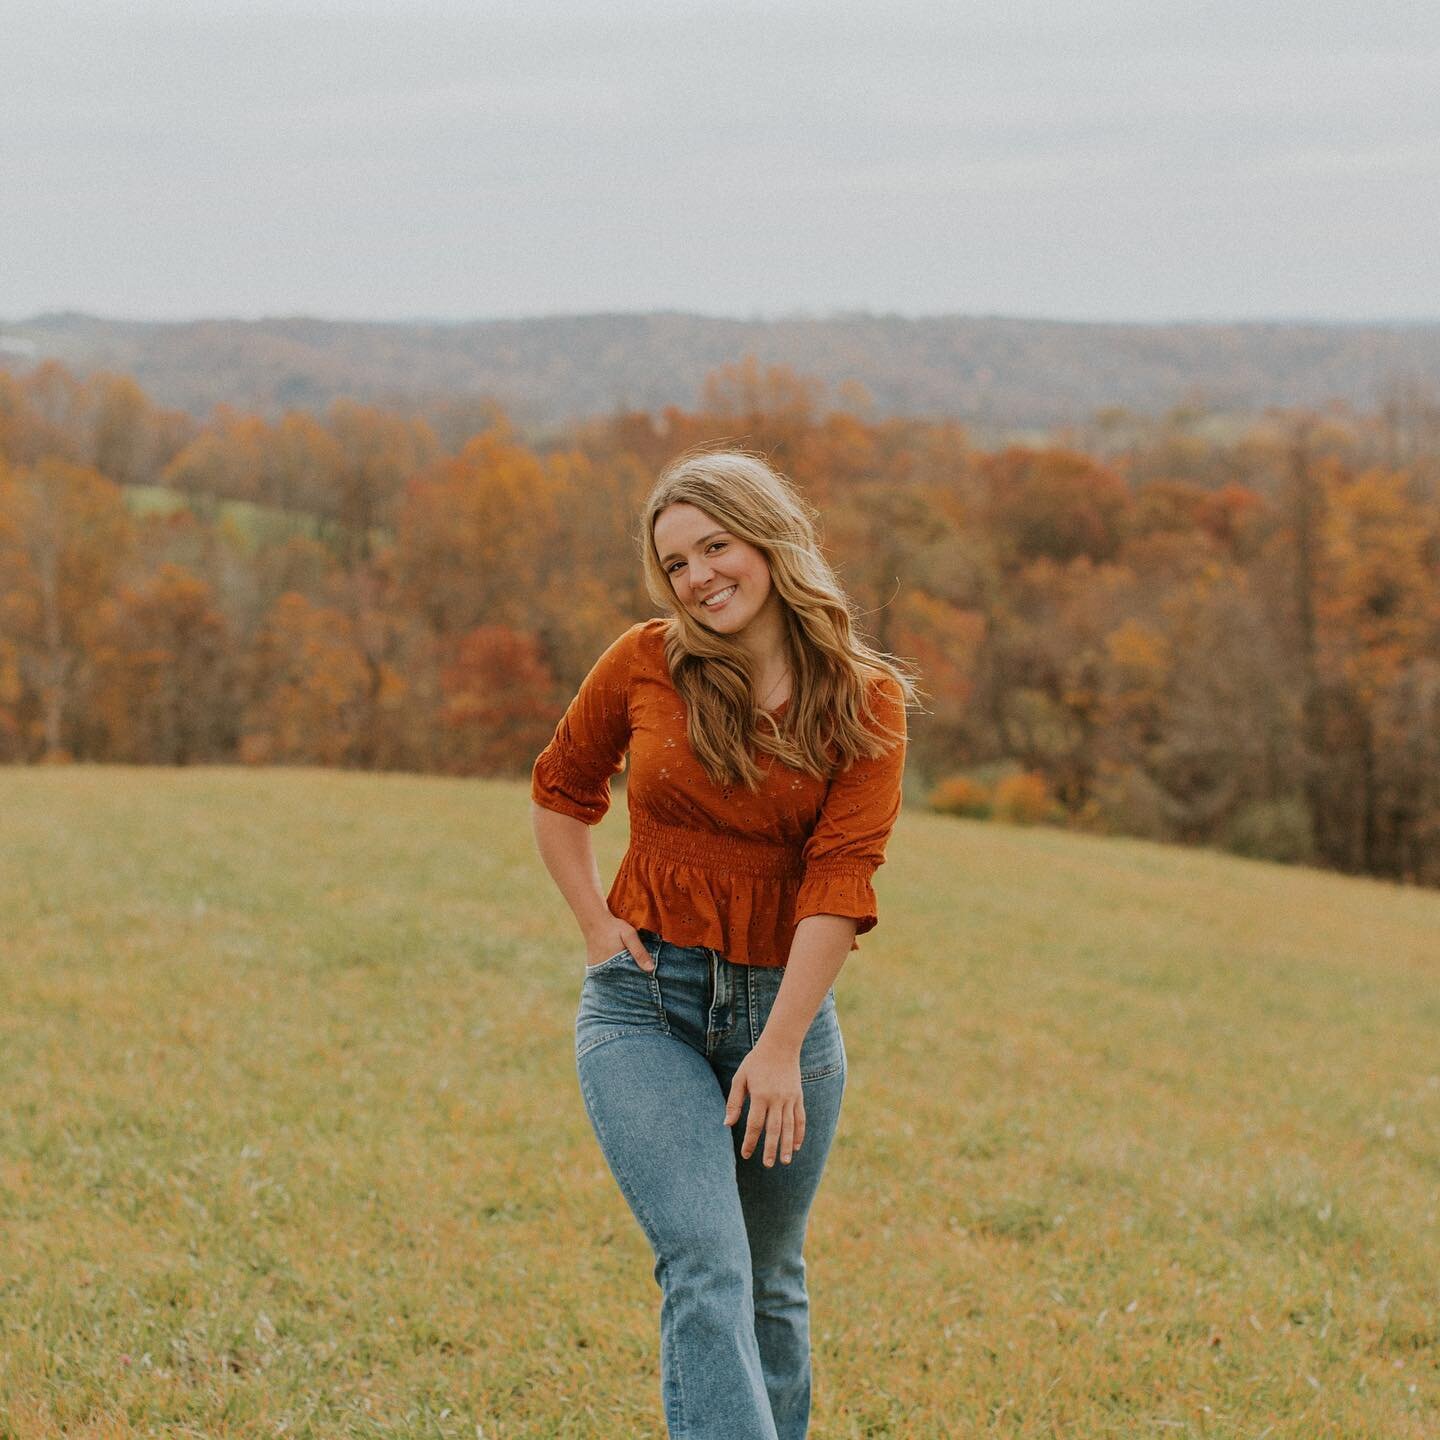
{"type": "Point", "coordinates": [1173, 627]}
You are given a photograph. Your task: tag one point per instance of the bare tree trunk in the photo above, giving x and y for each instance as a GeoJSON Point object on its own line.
{"type": "Point", "coordinates": [55, 666]}
{"type": "Point", "coordinates": [1305, 513]}
{"type": "Point", "coordinates": [1367, 793]}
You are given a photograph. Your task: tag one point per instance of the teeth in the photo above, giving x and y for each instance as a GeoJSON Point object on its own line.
{"type": "Point", "coordinates": [723, 595]}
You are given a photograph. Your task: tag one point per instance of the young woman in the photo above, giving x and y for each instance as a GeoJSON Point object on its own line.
{"type": "Point", "coordinates": [766, 744]}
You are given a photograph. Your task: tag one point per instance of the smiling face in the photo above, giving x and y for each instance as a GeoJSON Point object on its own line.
{"type": "Point", "coordinates": [705, 562]}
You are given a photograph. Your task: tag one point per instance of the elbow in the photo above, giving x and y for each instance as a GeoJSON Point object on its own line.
{"type": "Point", "coordinates": [552, 815]}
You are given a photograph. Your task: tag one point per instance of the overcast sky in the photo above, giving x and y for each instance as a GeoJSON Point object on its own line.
{"type": "Point", "coordinates": [1078, 159]}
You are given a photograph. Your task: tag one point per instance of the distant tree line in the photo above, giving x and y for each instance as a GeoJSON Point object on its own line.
{"type": "Point", "coordinates": [995, 373]}
{"type": "Point", "coordinates": [1162, 628]}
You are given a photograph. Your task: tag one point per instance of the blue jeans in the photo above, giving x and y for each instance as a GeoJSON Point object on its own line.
{"type": "Point", "coordinates": [655, 1054]}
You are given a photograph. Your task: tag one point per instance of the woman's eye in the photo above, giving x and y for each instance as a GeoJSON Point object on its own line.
{"type": "Point", "coordinates": [714, 544]}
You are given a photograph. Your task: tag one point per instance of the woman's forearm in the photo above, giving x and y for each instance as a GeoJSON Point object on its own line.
{"type": "Point", "coordinates": [819, 950]}
{"type": "Point", "coordinates": [565, 849]}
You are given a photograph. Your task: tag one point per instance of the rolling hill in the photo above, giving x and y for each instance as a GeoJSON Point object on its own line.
{"type": "Point", "coordinates": [992, 372]}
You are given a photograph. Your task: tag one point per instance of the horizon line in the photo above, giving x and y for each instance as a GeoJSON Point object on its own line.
{"type": "Point", "coordinates": [800, 316]}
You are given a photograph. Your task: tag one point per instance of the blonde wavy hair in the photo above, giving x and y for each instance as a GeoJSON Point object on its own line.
{"type": "Point", "coordinates": [829, 721]}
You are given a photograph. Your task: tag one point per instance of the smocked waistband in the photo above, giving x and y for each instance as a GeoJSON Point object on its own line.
{"type": "Point", "coordinates": [741, 854]}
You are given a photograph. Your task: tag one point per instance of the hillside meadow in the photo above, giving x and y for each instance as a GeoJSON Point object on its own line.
{"type": "Point", "coordinates": [1138, 1141]}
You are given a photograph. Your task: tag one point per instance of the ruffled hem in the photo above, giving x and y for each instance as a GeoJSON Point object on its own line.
{"type": "Point", "coordinates": [838, 890]}
{"type": "Point", "coordinates": [742, 917]}
{"type": "Point", "coordinates": [749, 919]}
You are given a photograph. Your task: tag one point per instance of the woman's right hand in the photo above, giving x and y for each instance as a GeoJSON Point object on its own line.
{"type": "Point", "coordinates": [611, 935]}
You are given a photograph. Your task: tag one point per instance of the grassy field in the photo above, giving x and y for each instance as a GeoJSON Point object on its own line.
{"type": "Point", "coordinates": [254, 524]}
{"type": "Point", "coordinates": [1138, 1141]}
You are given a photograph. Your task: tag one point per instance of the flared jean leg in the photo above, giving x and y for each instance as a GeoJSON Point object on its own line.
{"type": "Point", "coordinates": [656, 1054]}
{"type": "Point", "coordinates": [776, 1201]}
{"type": "Point", "coordinates": [658, 1112]}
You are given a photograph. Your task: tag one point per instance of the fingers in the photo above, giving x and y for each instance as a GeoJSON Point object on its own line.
{"type": "Point", "coordinates": [752, 1130]}
{"type": "Point", "coordinates": [737, 1098]}
{"type": "Point", "coordinates": [637, 948]}
{"type": "Point", "coordinates": [784, 1122]}
{"type": "Point", "coordinates": [733, 1106]}
{"type": "Point", "coordinates": [781, 1123]}
{"type": "Point", "coordinates": [784, 1141]}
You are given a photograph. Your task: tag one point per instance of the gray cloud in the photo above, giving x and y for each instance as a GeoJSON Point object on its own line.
{"type": "Point", "coordinates": [1097, 160]}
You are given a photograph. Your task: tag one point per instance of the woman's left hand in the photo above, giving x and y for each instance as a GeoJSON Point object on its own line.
{"type": "Point", "coordinates": [777, 1102]}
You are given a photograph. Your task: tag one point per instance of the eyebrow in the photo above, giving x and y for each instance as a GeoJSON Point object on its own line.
{"type": "Point", "coordinates": [673, 556]}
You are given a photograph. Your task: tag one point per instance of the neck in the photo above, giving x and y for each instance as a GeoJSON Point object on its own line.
{"type": "Point", "coordinates": [763, 639]}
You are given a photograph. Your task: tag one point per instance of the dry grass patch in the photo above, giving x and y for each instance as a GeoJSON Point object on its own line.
{"type": "Point", "coordinates": [1138, 1141]}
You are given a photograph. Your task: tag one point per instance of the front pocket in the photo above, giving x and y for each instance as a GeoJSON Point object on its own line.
{"type": "Point", "coordinates": [617, 999]}
{"type": "Point", "coordinates": [823, 1051]}
{"type": "Point", "coordinates": [604, 964]}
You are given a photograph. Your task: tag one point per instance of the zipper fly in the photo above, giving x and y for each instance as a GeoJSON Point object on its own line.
{"type": "Point", "coordinates": [721, 1019]}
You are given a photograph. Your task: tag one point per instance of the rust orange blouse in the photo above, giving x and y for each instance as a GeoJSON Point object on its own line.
{"type": "Point", "coordinates": [728, 868]}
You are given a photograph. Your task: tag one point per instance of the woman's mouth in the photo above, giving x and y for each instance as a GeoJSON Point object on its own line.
{"type": "Point", "coordinates": [719, 599]}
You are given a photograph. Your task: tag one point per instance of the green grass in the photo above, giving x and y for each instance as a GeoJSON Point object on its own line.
{"type": "Point", "coordinates": [254, 524]}
{"type": "Point", "coordinates": [1138, 1141]}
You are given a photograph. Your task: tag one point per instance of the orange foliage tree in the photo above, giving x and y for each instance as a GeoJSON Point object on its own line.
{"type": "Point", "coordinates": [772, 409]}
{"type": "Point", "coordinates": [471, 534]}
{"type": "Point", "coordinates": [161, 690]}
{"type": "Point", "coordinates": [378, 453]}
{"type": "Point", "coordinates": [308, 684]}
{"type": "Point", "coordinates": [65, 535]}
{"type": "Point", "coordinates": [1053, 504]}
{"type": "Point", "coordinates": [1186, 636]}
{"type": "Point", "coordinates": [496, 709]}
{"type": "Point", "coordinates": [1377, 623]}
{"type": "Point", "coordinates": [223, 462]}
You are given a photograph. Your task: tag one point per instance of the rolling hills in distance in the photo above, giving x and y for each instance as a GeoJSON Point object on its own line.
{"type": "Point", "coordinates": [995, 374]}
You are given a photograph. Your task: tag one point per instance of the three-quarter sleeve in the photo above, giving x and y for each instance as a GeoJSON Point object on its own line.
{"type": "Point", "coordinates": [858, 812]}
{"type": "Point", "coordinates": [572, 773]}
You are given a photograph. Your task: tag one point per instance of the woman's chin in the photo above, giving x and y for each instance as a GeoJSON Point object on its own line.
{"type": "Point", "coordinates": [723, 620]}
